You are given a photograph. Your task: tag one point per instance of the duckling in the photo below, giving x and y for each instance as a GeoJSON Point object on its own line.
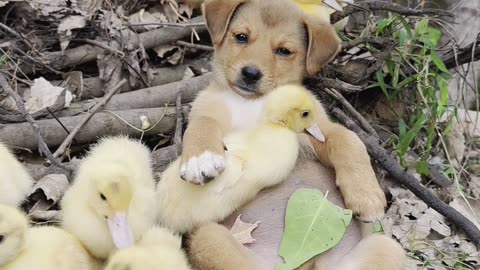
{"type": "Point", "coordinates": [15, 182]}
{"type": "Point", "coordinates": [323, 9]}
{"type": "Point", "coordinates": [112, 200]}
{"type": "Point", "coordinates": [41, 248]}
{"type": "Point", "coordinates": [158, 249]}
{"type": "Point", "coordinates": [256, 158]}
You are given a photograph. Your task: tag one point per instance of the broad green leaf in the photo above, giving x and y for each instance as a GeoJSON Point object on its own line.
{"type": "Point", "coordinates": [313, 225]}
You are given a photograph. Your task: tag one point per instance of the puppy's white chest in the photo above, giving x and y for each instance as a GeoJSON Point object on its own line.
{"type": "Point", "coordinates": [245, 113]}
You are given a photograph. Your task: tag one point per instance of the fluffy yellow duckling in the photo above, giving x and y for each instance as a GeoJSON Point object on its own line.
{"type": "Point", "coordinates": [15, 182]}
{"type": "Point", "coordinates": [112, 201]}
{"type": "Point", "coordinates": [257, 158]}
{"type": "Point", "coordinates": [158, 249]}
{"type": "Point", "coordinates": [39, 248]}
{"type": "Point", "coordinates": [323, 8]}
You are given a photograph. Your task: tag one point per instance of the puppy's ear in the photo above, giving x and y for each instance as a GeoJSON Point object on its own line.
{"type": "Point", "coordinates": [218, 14]}
{"type": "Point", "coordinates": [323, 44]}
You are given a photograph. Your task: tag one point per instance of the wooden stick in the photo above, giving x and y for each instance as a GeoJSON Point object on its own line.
{"type": "Point", "coordinates": [63, 147]}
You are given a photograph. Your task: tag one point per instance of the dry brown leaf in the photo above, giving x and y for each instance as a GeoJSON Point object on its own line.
{"type": "Point", "coordinates": [48, 191]}
{"type": "Point", "coordinates": [149, 19]}
{"type": "Point", "coordinates": [170, 53]}
{"type": "Point", "coordinates": [43, 94]}
{"type": "Point", "coordinates": [65, 29]}
{"type": "Point", "coordinates": [8, 104]}
{"type": "Point", "coordinates": [242, 231]}
{"type": "Point", "coordinates": [73, 81]}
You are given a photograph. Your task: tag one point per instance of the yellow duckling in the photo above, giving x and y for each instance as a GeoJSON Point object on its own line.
{"type": "Point", "coordinates": [257, 158]}
{"type": "Point", "coordinates": [323, 9]}
{"type": "Point", "coordinates": [39, 248]}
{"type": "Point", "coordinates": [112, 201]}
{"type": "Point", "coordinates": [15, 182]}
{"type": "Point", "coordinates": [158, 249]}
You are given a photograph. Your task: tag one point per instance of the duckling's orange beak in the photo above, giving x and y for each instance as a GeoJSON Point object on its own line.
{"type": "Point", "coordinates": [120, 230]}
{"type": "Point", "coordinates": [315, 132]}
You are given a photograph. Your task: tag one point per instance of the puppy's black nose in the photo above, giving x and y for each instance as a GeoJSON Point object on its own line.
{"type": "Point", "coordinates": [251, 74]}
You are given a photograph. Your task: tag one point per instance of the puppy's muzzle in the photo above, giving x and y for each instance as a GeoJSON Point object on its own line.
{"type": "Point", "coordinates": [248, 81]}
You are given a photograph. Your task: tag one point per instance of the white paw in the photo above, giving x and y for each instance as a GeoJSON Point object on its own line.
{"type": "Point", "coordinates": [200, 169]}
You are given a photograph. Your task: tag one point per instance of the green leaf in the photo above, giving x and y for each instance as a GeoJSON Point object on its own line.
{"type": "Point", "coordinates": [438, 62]}
{"type": "Point", "coordinates": [381, 82]}
{"type": "Point", "coordinates": [313, 225]}
{"type": "Point", "coordinates": [422, 167]}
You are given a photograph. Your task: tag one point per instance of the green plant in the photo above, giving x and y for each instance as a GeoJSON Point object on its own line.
{"type": "Point", "coordinates": [415, 66]}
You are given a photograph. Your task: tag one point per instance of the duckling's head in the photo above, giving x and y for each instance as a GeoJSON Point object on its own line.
{"type": "Point", "coordinates": [13, 225]}
{"type": "Point", "coordinates": [294, 107]}
{"type": "Point", "coordinates": [110, 198]}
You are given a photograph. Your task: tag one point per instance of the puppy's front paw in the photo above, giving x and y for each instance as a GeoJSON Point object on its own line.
{"type": "Point", "coordinates": [365, 198]}
{"type": "Point", "coordinates": [203, 168]}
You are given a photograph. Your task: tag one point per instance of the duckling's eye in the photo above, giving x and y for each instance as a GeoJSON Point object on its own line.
{"type": "Point", "coordinates": [305, 114]}
{"type": "Point", "coordinates": [241, 38]}
{"type": "Point", "coordinates": [103, 197]}
{"type": "Point", "coordinates": [1, 238]}
{"type": "Point", "coordinates": [284, 52]}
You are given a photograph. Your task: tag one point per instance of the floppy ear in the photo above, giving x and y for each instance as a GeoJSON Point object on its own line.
{"type": "Point", "coordinates": [218, 14]}
{"type": "Point", "coordinates": [323, 44]}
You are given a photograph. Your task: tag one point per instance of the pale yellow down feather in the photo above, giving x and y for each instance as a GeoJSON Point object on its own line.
{"type": "Point", "coordinates": [15, 182]}
{"type": "Point", "coordinates": [38, 248]}
{"type": "Point", "coordinates": [159, 249]}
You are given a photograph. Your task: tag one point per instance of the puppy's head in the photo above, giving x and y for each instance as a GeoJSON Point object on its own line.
{"type": "Point", "coordinates": [262, 44]}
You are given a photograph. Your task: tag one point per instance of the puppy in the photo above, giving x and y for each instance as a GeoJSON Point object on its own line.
{"type": "Point", "coordinates": [262, 44]}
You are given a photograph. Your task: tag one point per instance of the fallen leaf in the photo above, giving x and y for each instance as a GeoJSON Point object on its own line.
{"type": "Point", "coordinates": [455, 141]}
{"type": "Point", "coordinates": [147, 20]}
{"type": "Point", "coordinates": [242, 231]}
{"type": "Point", "coordinates": [50, 187]}
{"type": "Point", "coordinates": [170, 53]}
{"type": "Point", "coordinates": [73, 81]}
{"type": "Point", "coordinates": [65, 29]}
{"type": "Point", "coordinates": [461, 206]}
{"type": "Point", "coordinates": [312, 226]}
{"type": "Point", "coordinates": [8, 104]}
{"type": "Point", "coordinates": [43, 94]}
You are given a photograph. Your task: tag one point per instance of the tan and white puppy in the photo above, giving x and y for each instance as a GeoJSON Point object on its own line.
{"type": "Point", "coordinates": [262, 44]}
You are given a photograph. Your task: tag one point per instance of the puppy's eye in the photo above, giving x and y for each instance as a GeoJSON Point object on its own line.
{"type": "Point", "coordinates": [1, 238]}
{"type": "Point", "coordinates": [241, 38]}
{"type": "Point", "coordinates": [305, 114]}
{"type": "Point", "coordinates": [284, 52]}
{"type": "Point", "coordinates": [103, 197]}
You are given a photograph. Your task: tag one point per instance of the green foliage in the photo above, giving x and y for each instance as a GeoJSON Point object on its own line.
{"type": "Point", "coordinates": [415, 66]}
{"type": "Point", "coordinates": [312, 225]}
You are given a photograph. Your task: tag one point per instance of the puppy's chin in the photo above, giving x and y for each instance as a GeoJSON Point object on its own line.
{"type": "Point", "coordinates": [246, 93]}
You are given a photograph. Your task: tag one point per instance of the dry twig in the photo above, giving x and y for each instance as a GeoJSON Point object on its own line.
{"type": "Point", "coordinates": [63, 147]}
{"type": "Point", "coordinates": [381, 155]}
{"type": "Point", "coordinates": [195, 46]}
{"type": "Point", "coordinates": [383, 5]}
{"type": "Point", "coordinates": [363, 122]}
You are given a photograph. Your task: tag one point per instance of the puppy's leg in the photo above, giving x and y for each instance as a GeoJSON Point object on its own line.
{"type": "Point", "coordinates": [203, 152]}
{"type": "Point", "coordinates": [213, 247]}
{"type": "Point", "coordinates": [376, 252]}
{"type": "Point", "coordinates": [347, 154]}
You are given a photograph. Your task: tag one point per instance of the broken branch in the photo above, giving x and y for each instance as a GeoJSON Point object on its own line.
{"type": "Point", "coordinates": [63, 147]}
